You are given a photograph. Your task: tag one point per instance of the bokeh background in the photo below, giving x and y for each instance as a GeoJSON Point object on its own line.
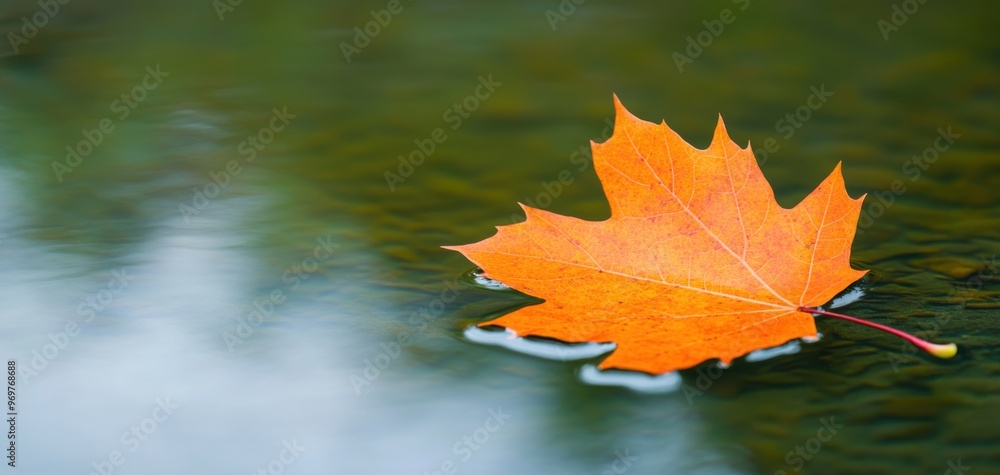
{"type": "Point", "coordinates": [221, 281]}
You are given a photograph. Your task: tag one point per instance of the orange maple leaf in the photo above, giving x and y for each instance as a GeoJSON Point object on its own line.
{"type": "Point", "coordinates": [697, 260]}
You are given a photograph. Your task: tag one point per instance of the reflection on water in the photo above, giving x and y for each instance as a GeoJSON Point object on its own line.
{"type": "Point", "coordinates": [789, 348]}
{"type": "Point", "coordinates": [477, 278]}
{"type": "Point", "coordinates": [176, 307]}
{"type": "Point", "coordinates": [639, 382]}
{"type": "Point", "coordinates": [548, 349]}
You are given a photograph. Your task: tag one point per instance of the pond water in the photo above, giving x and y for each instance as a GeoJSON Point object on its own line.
{"type": "Point", "coordinates": [215, 260]}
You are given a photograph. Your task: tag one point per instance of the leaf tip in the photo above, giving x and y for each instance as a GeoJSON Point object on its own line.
{"type": "Point", "coordinates": [459, 249]}
{"type": "Point", "coordinates": [838, 171]}
{"type": "Point", "coordinates": [617, 103]}
{"type": "Point", "coordinates": [720, 131]}
{"type": "Point", "coordinates": [620, 111]}
{"type": "Point", "coordinates": [529, 211]}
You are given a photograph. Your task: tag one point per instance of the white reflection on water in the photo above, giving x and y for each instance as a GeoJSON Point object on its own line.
{"type": "Point", "coordinates": [789, 348]}
{"type": "Point", "coordinates": [555, 350]}
{"type": "Point", "coordinates": [548, 349]}
{"type": "Point", "coordinates": [638, 382]}
{"type": "Point", "coordinates": [853, 294]}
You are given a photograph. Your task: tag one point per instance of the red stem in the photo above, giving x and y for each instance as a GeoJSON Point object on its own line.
{"type": "Point", "coordinates": [941, 351]}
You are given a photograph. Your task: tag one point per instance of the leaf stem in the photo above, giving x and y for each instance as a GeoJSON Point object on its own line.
{"type": "Point", "coordinates": [941, 351]}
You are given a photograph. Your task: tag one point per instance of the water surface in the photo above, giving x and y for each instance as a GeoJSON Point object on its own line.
{"type": "Point", "coordinates": [222, 281]}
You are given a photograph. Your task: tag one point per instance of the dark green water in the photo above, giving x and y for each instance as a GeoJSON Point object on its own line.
{"type": "Point", "coordinates": [158, 371]}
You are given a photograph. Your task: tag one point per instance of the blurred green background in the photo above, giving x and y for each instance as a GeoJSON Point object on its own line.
{"type": "Point", "coordinates": [335, 244]}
